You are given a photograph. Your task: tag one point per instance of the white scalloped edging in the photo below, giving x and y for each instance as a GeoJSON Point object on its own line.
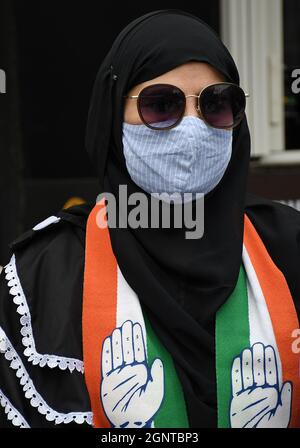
{"type": "Point", "coordinates": [52, 361]}
{"type": "Point", "coordinates": [11, 412]}
{"type": "Point", "coordinates": [31, 393]}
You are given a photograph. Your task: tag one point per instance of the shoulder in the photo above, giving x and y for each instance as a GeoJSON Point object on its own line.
{"type": "Point", "coordinates": [64, 224]}
{"type": "Point", "coordinates": [277, 219]}
{"type": "Point", "coordinates": [279, 227]}
{"type": "Point", "coordinates": [45, 276]}
{"type": "Point", "coordinates": [270, 208]}
{"type": "Point", "coordinates": [50, 246]}
{"type": "Point", "coordinates": [47, 263]}
{"type": "Point", "coordinates": [40, 322]}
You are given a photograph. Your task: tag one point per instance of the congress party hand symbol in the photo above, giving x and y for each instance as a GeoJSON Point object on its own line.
{"type": "Point", "coordinates": [257, 399]}
{"type": "Point", "coordinates": [131, 392]}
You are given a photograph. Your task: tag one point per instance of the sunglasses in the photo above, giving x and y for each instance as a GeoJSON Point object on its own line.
{"type": "Point", "coordinates": [162, 106]}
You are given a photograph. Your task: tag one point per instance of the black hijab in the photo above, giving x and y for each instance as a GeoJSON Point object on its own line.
{"type": "Point", "coordinates": [181, 283]}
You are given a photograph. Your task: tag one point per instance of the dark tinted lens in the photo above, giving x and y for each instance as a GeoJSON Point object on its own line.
{"type": "Point", "coordinates": [223, 105]}
{"type": "Point", "coordinates": [161, 106]}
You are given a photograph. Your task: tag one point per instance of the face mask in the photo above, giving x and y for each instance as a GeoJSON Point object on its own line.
{"type": "Point", "coordinates": [189, 158]}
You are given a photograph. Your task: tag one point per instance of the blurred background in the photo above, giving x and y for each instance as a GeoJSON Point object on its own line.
{"type": "Point", "coordinates": [49, 55]}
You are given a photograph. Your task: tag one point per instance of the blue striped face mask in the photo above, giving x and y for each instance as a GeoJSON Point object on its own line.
{"type": "Point", "coordinates": [189, 158]}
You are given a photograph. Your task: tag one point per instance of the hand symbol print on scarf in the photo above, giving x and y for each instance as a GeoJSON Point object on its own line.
{"type": "Point", "coordinates": [131, 392]}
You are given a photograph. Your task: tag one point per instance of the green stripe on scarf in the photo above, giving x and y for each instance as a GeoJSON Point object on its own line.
{"type": "Point", "coordinates": [172, 413]}
{"type": "Point", "coordinates": [232, 336]}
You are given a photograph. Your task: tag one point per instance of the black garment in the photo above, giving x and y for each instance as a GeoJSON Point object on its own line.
{"type": "Point", "coordinates": [50, 265]}
{"type": "Point", "coordinates": [182, 283]}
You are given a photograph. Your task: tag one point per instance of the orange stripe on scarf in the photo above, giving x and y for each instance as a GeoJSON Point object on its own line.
{"type": "Point", "coordinates": [281, 308]}
{"type": "Point", "coordinates": [98, 320]}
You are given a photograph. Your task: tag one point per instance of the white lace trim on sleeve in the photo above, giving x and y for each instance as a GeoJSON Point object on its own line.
{"type": "Point", "coordinates": [52, 361]}
{"type": "Point", "coordinates": [32, 394]}
{"type": "Point", "coordinates": [11, 412]}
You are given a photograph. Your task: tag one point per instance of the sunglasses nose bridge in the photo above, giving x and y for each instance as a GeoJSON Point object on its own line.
{"type": "Point", "coordinates": [189, 108]}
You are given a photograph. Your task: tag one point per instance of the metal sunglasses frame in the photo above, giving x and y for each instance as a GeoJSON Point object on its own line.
{"type": "Point", "coordinates": [198, 108]}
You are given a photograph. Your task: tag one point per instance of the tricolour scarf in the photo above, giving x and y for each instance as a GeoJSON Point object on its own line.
{"type": "Point", "coordinates": [130, 376]}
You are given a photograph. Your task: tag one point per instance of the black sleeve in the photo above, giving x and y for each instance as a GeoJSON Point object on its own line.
{"type": "Point", "coordinates": [11, 398]}
{"type": "Point", "coordinates": [41, 366]}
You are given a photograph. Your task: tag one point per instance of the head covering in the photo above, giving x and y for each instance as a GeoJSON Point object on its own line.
{"type": "Point", "coordinates": [180, 282]}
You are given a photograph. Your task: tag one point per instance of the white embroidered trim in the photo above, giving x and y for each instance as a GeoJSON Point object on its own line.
{"type": "Point", "coordinates": [2, 341]}
{"type": "Point", "coordinates": [11, 413]}
{"type": "Point", "coordinates": [52, 361]}
{"type": "Point", "coordinates": [47, 222]}
{"type": "Point", "coordinates": [35, 398]}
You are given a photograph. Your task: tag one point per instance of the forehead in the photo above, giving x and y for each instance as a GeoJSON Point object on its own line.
{"type": "Point", "coordinates": [189, 76]}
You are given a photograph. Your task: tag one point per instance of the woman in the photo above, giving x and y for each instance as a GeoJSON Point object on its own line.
{"type": "Point", "coordinates": [143, 327]}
